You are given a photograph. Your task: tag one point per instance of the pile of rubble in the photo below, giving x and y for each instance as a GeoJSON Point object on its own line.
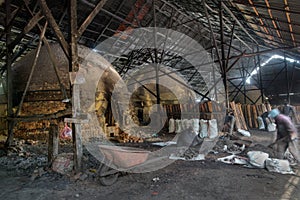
{"type": "Point", "coordinates": [20, 160]}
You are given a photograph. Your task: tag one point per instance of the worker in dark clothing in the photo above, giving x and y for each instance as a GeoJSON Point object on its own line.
{"type": "Point", "coordinates": [266, 120]}
{"type": "Point", "coordinates": [287, 136]}
{"type": "Point", "coordinates": [288, 110]}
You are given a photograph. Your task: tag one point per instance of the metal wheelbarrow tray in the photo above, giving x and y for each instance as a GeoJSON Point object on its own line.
{"type": "Point", "coordinates": [119, 158]}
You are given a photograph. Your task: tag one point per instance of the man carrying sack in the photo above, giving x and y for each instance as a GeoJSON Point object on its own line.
{"type": "Point", "coordinates": [287, 136]}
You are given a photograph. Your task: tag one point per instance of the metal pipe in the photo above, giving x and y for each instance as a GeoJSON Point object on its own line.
{"type": "Point", "coordinates": [287, 79]}
{"type": "Point", "coordinates": [212, 33]}
{"type": "Point", "coordinates": [223, 66]}
{"type": "Point", "coordinates": [260, 80]}
{"type": "Point", "coordinates": [157, 68]}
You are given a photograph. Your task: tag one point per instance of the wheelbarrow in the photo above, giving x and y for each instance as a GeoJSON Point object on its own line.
{"type": "Point", "coordinates": [119, 159]}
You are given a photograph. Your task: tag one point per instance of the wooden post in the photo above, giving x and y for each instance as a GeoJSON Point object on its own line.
{"type": "Point", "coordinates": [52, 142]}
{"type": "Point", "coordinates": [10, 112]}
{"type": "Point", "coordinates": [77, 141]}
{"type": "Point", "coordinates": [74, 67]}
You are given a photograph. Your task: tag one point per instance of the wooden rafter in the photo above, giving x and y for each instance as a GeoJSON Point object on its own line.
{"type": "Point", "coordinates": [91, 16]}
{"type": "Point", "coordinates": [60, 36]}
{"type": "Point", "coordinates": [287, 13]}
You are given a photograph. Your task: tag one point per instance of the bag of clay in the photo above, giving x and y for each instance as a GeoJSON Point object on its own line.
{"type": "Point", "coordinates": [63, 163]}
{"type": "Point", "coordinates": [66, 133]}
{"type": "Point", "coordinates": [208, 128]}
{"type": "Point", "coordinates": [196, 125]}
{"type": "Point", "coordinates": [203, 128]}
{"type": "Point", "coordinates": [271, 127]}
{"type": "Point", "coordinates": [244, 132]}
{"type": "Point", "coordinates": [257, 158]}
{"type": "Point", "coordinates": [213, 128]}
{"type": "Point", "coordinates": [185, 124]}
{"type": "Point", "coordinates": [261, 124]}
{"type": "Point", "coordinates": [171, 125]}
{"type": "Point", "coordinates": [178, 126]}
{"type": "Point", "coordinates": [279, 166]}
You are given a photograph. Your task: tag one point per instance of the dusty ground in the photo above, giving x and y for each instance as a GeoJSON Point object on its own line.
{"type": "Point", "coordinates": [207, 179]}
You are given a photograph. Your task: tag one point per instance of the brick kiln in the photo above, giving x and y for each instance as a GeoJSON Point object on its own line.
{"type": "Point", "coordinates": [48, 91]}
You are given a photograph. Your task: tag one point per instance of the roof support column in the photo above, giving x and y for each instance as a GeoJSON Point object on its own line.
{"type": "Point", "coordinates": [73, 68]}
{"type": "Point", "coordinates": [223, 61]}
{"type": "Point", "coordinates": [287, 80]}
{"type": "Point", "coordinates": [260, 80]}
{"type": "Point", "coordinates": [10, 112]}
{"type": "Point", "coordinates": [157, 67]}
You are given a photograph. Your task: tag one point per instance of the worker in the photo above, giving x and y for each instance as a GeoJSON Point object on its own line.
{"type": "Point", "coordinates": [288, 110]}
{"type": "Point", "coordinates": [266, 121]}
{"type": "Point", "coordinates": [287, 136]}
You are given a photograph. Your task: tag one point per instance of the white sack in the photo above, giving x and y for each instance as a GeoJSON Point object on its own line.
{"type": "Point", "coordinates": [271, 127]}
{"type": "Point", "coordinates": [257, 158]}
{"type": "Point", "coordinates": [178, 126]}
{"type": "Point", "coordinates": [171, 125]}
{"type": "Point", "coordinates": [279, 166]}
{"type": "Point", "coordinates": [244, 133]}
{"type": "Point", "coordinates": [261, 124]}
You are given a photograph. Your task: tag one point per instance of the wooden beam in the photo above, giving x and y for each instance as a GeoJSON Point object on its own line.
{"type": "Point", "coordinates": [9, 76]}
{"type": "Point", "coordinates": [32, 69]}
{"type": "Point", "coordinates": [73, 59]}
{"type": "Point", "coordinates": [52, 57]}
{"type": "Point", "coordinates": [53, 140]}
{"type": "Point", "coordinates": [33, 21]}
{"type": "Point", "coordinates": [91, 16]}
{"type": "Point", "coordinates": [60, 36]}
{"type": "Point", "coordinates": [11, 20]}
{"type": "Point", "coordinates": [74, 67]}
{"type": "Point", "coordinates": [57, 115]}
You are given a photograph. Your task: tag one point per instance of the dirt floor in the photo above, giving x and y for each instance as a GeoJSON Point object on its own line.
{"type": "Point", "coordinates": [27, 177]}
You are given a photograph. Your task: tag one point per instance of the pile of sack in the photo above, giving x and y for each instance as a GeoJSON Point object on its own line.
{"type": "Point", "coordinates": [203, 128]}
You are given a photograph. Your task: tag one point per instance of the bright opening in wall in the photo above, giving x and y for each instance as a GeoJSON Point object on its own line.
{"type": "Point", "coordinates": [255, 71]}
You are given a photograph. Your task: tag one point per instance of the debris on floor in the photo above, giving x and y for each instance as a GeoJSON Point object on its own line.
{"type": "Point", "coordinates": [257, 158]}
{"type": "Point", "coordinates": [63, 163]}
{"type": "Point", "coordinates": [279, 166]}
{"type": "Point", "coordinates": [234, 159]}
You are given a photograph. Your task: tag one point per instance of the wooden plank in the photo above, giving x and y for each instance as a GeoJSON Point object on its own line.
{"type": "Point", "coordinates": [76, 135]}
{"type": "Point", "coordinates": [73, 65]}
{"type": "Point", "coordinates": [210, 110]}
{"type": "Point", "coordinates": [237, 120]}
{"type": "Point", "coordinates": [91, 16]}
{"type": "Point", "coordinates": [254, 117]}
{"type": "Point", "coordinates": [248, 108]}
{"type": "Point", "coordinates": [259, 110]}
{"type": "Point", "coordinates": [78, 120]}
{"type": "Point", "coordinates": [29, 26]}
{"type": "Point", "coordinates": [264, 108]}
{"type": "Point", "coordinates": [59, 114]}
{"type": "Point", "coordinates": [241, 116]}
{"type": "Point", "coordinates": [37, 53]}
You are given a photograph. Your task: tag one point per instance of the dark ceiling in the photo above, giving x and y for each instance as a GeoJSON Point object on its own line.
{"type": "Point", "coordinates": [249, 34]}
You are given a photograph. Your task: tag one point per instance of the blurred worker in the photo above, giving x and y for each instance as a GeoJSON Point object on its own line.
{"type": "Point", "coordinates": [268, 123]}
{"type": "Point", "coordinates": [287, 136]}
{"type": "Point", "coordinates": [288, 110]}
